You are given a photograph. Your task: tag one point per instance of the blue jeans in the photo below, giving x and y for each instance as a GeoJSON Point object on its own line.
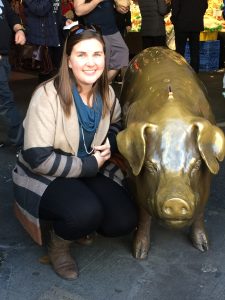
{"type": "Point", "coordinates": [7, 104]}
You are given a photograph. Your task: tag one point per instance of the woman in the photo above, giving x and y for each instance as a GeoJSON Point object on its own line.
{"type": "Point", "coordinates": [70, 133]}
{"type": "Point", "coordinates": [44, 27]}
{"type": "Point", "coordinates": [188, 23]}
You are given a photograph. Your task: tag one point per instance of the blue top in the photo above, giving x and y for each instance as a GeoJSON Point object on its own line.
{"type": "Point", "coordinates": [103, 16]}
{"type": "Point", "coordinates": [89, 118]}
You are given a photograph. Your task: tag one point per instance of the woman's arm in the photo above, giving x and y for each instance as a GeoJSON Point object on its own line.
{"type": "Point", "coordinates": [82, 7]}
{"type": "Point", "coordinates": [39, 153]}
{"type": "Point", "coordinates": [12, 18]}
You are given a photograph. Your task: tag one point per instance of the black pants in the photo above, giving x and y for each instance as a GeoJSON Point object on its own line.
{"type": "Point", "coordinates": [78, 207]}
{"type": "Point", "coordinates": [181, 39]}
{"type": "Point", "coordinates": [153, 41]}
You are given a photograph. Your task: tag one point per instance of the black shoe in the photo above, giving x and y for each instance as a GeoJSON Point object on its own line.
{"type": "Point", "coordinates": [118, 82]}
{"type": "Point", "coordinates": [118, 79]}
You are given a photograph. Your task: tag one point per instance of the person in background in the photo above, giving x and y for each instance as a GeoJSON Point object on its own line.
{"type": "Point", "coordinates": [9, 21]}
{"type": "Point", "coordinates": [124, 25]}
{"type": "Point", "coordinates": [123, 22]}
{"type": "Point", "coordinates": [153, 30]}
{"type": "Point", "coordinates": [101, 13]}
{"type": "Point", "coordinates": [44, 26]}
{"type": "Point", "coordinates": [187, 18]}
{"type": "Point", "coordinates": [63, 174]}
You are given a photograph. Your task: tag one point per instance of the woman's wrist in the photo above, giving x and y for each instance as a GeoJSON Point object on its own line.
{"type": "Point", "coordinates": [18, 27]}
{"type": "Point", "coordinates": [21, 29]}
{"type": "Point", "coordinates": [89, 166]}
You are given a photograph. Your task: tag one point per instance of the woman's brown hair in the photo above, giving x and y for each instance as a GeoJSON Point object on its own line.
{"type": "Point", "coordinates": [65, 79]}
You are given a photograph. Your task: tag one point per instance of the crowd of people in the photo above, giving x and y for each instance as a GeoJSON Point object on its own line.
{"type": "Point", "coordinates": [63, 172]}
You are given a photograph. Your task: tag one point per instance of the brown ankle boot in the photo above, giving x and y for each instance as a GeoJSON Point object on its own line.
{"type": "Point", "coordinates": [61, 259]}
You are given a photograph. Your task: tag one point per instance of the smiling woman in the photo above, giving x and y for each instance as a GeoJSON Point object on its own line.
{"type": "Point", "coordinates": [87, 65]}
{"type": "Point", "coordinates": [70, 134]}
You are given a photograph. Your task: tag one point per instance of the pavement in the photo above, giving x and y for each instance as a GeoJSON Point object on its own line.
{"type": "Point", "coordinates": [174, 269]}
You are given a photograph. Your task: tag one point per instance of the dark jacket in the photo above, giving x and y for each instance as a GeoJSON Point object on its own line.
{"type": "Point", "coordinates": [8, 18]}
{"type": "Point", "coordinates": [152, 13]}
{"type": "Point", "coordinates": [187, 15]}
{"type": "Point", "coordinates": [44, 22]}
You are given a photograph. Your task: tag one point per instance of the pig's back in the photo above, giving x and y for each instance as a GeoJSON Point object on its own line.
{"type": "Point", "coordinates": [152, 73]}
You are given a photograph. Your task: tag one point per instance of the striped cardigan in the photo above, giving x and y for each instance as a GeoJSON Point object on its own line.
{"type": "Point", "coordinates": [51, 142]}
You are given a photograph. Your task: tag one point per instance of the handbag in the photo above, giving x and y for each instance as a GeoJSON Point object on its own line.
{"type": "Point", "coordinates": [26, 57]}
{"type": "Point", "coordinates": [35, 57]}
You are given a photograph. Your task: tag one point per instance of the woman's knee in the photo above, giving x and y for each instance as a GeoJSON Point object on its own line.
{"type": "Point", "coordinates": [88, 216]}
{"type": "Point", "coordinates": [86, 219]}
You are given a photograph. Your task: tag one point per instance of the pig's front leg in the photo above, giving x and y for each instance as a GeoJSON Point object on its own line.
{"type": "Point", "coordinates": [198, 234]}
{"type": "Point", "coordinates": [141, 243]}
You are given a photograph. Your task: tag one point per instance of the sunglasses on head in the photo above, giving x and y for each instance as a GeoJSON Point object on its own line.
{"type": "Point", "coordinates": [78, 29]}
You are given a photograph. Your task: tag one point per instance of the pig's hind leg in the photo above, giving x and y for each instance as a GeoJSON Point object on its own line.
{"type": "Point", "coordinates": [141, 243]}
{"type": "Point", "coordinates": [198, 234]}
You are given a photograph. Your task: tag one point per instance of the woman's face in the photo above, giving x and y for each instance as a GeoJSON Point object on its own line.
{"type": "Point", "coordinates": [87, 61]}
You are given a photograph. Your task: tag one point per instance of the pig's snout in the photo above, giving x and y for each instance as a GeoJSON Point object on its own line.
{"type": "Point", "coordinates": [176, 208]}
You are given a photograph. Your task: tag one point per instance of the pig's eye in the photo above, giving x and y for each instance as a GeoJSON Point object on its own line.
{"type": "Point", "coordinates": [151, 167]}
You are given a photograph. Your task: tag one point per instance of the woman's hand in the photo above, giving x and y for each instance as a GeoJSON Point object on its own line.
{"type": "Point", "coordinates": [20, 38]}
{"type": "Point", "coordinates": [68, 22]}
{"type": "Point", "coordinates": [122, 9]}
{"type": "Point", "coordinates": [102, 153]}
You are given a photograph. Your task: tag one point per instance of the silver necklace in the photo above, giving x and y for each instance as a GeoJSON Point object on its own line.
{"type": "Point", "coordinates": [85, 147]}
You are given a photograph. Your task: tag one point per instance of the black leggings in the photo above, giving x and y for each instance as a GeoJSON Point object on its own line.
{"type": "Point", "coordinates": [78, 207]}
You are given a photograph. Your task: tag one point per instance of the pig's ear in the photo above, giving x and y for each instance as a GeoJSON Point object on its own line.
{"type": "Point", "coordinates": [211, 144]}
{"type": "Point", "coordinates": [131, 144]}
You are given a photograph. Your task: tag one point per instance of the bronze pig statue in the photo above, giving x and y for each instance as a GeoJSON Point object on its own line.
{"type": "Point", "coordinates": [170, 142]}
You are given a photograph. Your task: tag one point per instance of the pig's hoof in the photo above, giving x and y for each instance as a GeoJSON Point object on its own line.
{"type": "Point", "coordinates": [140, 250]}
{"type": "Point", "coordinates": [139, 254]}
{"type": "Point", "coordinates": [200, 241]}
